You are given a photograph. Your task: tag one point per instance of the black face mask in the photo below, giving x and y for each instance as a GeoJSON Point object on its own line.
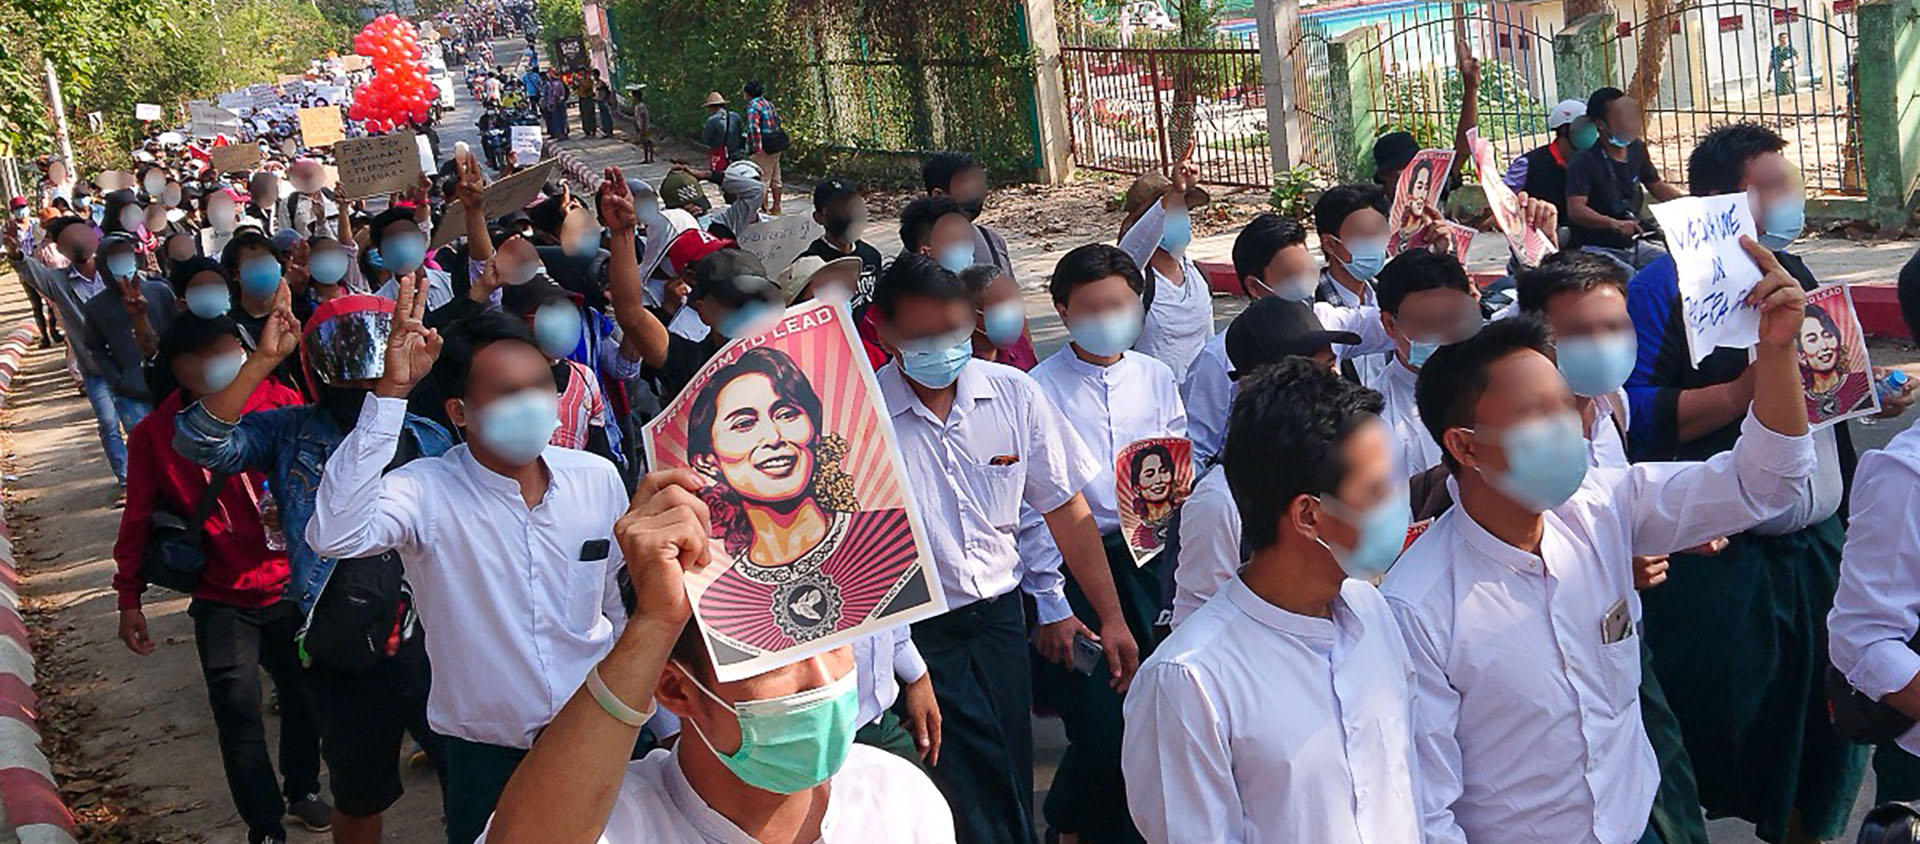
{"type": "Point", "coordinates": [973, 206]}
{"type": "Point", "coordinates": [838, 224]}
{"type": "Point", "coordinates": [343, 404]}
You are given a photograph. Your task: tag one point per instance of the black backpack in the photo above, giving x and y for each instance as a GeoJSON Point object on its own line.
{"type": "Point", "coordinates": [1890, 823]}
{"type": "Point", "coordinates": [365, 610]}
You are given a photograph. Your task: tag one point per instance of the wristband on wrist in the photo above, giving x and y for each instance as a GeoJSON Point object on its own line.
{"type": "Point", "coordinates": [612, 703]}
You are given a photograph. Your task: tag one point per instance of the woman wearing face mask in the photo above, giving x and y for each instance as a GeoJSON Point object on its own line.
{"type": "Point", "coordinates": [1002, 319]}
{"type": "Point", "coordinates": [1158, 227]}
{"type": "Point", "coordinates": [241, 622]}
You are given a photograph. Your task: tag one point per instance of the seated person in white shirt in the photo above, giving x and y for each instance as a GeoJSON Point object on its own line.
{"type": "Point", "coordinates": [1270, 256]}
{"type": "Point", "coordinates": [1282, 710]}
{"type": "Point", "coordinates": [770, 758]}
{"type": "Point", "coordinates": [1112, 397]}
{"type": "Point", "coordinates": [1267, 332]}
{"type": "Point", "coordinates": [1426, 301]}
{"type": "Point", "coordinates": [506, 543]}
{"type": "Point", "coordinates": [1518, 604]}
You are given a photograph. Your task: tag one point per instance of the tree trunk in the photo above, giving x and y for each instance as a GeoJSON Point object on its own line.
{"type": "Point", "coordinates": [1650, 54]}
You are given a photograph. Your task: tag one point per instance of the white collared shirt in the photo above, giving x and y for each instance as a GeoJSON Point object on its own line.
{"type": "Point", "coordinates": [1209, 544]}
{"type": "Point", "coordinates": [1876, 609]}
{"type": "Point", "coordinates": [875, 796]}
{"type": "Point", "coordinates": [1604, 444]}
{"type": "Point", "coordinates": [1003, 444]}
{"type": "Point", "coordinates": [1417, 452]}
{"type": "Point", "coordinates": [1366, 366]}
{"type": "Point", "coordinates": [1529, 724]}
{"type": "Point", "coordinates": [1181, 316]}
{"type": "Point", "coordinates": [883, 662]}
{"type": "Point", "coordinates": [1111, 407]}
{"type": "Point", "coordinates": [1254, 724]}
{"type": "Point", "coordinates": [517, 615]}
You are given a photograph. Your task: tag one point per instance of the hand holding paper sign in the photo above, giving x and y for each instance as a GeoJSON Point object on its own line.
{"type": "Point", "coordinates": [663, 534]}
{"type": "Point", "coordinates": [1713, 272]}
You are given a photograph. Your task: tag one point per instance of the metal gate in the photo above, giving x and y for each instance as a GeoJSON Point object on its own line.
{"type": "Point", "coordinates": [1313, 86]}
{"type": "Point", "coordinates": [1788, 66]}
{"type": "Point", "coordinates": [1136, 109]}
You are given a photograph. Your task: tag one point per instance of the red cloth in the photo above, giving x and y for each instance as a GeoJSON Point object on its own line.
{"type": "Point", "coordinates": [1020, 355]}
{"type": "Point", "coordinates": [869, 331]}
{"type": "Point", "coordinates": [240, 569]}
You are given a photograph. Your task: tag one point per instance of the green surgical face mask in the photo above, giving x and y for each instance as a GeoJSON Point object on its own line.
{"type": "Point", "coordinates": [792, 743]}
{"type": "Point", "coordinates": [1584, 136]}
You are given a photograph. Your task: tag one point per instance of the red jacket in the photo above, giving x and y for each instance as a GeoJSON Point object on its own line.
{"type": "Point", "coordinates": [240, 569]}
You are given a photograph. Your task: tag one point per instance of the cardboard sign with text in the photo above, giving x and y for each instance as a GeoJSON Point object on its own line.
{"type": "Point", "coordinates": [377, 164]}
{"type": "Point", "coordinates": [778, 241]}
{"type": "Point", "coordinates": [351, 63]}
{"type": "Point", "coordinates": [204, 119]}
{"type": "Point", "coordinates": [1715, 272]}
{"type": "Point", "coordinates": [320, 126]}
{"type": "Point", "coordinates": [235, 158]}
{"type": "Point", "coordinates": [527, 141]}
{"type": "Point", "coordinates": [502, 197]}
{"type": "Point", "coordinates": [146, 111]}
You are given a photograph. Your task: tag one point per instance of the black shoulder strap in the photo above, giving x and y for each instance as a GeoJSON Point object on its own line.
{"type": "Point", "coordinates": [204, 508]}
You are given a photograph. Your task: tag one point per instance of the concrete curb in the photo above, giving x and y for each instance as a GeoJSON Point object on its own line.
{"type": "Point", "coordinates": [33, 806]}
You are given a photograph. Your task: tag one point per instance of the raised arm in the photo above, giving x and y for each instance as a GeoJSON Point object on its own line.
{"type": "Point", "coordinates": [643, 336]}
{"type": "Point", "coordinates": [471, 191]}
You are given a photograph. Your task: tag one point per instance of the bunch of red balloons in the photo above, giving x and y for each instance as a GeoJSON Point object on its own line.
{"type": "Point", "coordinates": [399, 90]}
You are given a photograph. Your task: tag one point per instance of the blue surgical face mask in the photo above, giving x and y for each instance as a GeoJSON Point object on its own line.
{"type": "Point", "coordinates": [1004, 323]}
{"type": "Point", "coordinates": [1107, 334]}
{"type": "Point", "coordinates": [939, 365]}
{"type": "Point", "coordinates": [122, 264]}
{"type": "Point", "coordinates": [1546, 461]}
{"type": "Point", "coordinates": [374, 260]}
{"type": "Point", "coordinates": [956, 257]}
{"type": "Point", "coordinates": [404, 253]}
{"type": "Point", "coordinates": [1785, 220]}
{"type": "Point", "coordinates": [1597, 364]}
{"type": "Point", "coordinates": [1419, 350]}
{"type": "Point", "coordinates": [739, 321]}
{"type": "Point", "coordinates": [791, 743]}
{"type": "Point", "coordinates": [1369, 257]}
{"type": "Point", "coordinates": [557, 328]}
{"type": "Point", "coordinates": [328, 267]}
{"type": "Point", "coordinates": [99, 214]}
{"type": "Point", "coordinates": [1178, 232]}
{"type": "Point", "coordinates": [207, 301]}
{"type": "Point", "coordinates": [516, 427]}
{"type": "Point", "coordinates": [1618, 141]}
{"type": "Point", "coordinates": [583, 244]}
{"type": "Point", "coordinates": [259, 277]}
{"type": "Point", "coordinates": [220, 371]}
{"type": "Point", "coordinates": [1381, 533]}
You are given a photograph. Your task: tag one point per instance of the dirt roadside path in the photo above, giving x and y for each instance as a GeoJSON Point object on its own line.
{"type": "Point", "coordinates": [130, 738]}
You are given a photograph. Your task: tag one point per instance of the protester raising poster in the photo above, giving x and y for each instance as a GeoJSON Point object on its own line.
{"type": "Point", "coordinates": [1420, 186]}
{"type": "Point", "coordinates": [1151, 479]}
{"type": "Point", "coordinates": [816, 540]}
{"type": "Point", "coordinates": [1834, 368]}
{"type": "Point", "coordinates": [1714, 271]}
{"type": "Point", "coordinates": [1528, 243]}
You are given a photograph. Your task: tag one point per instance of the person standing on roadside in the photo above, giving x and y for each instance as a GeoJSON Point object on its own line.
{"type": "Point", "coordinates": [765, 141]}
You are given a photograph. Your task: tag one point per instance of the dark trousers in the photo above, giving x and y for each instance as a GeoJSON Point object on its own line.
{"type": "Point", "coordinates": [977, 655]}
{"type": "Point", "coordinates": [234, 644]}
{"type": "Point", "coordinates": [587, 117]}
{"type": "Point", "coordinates": [476, 774]}
{"type": "Point", "coordinates": [889, 734]}
{"type": "Point", "coordinates": [49, 334]}
{"type": "Point", "coordinates": [362, 718]}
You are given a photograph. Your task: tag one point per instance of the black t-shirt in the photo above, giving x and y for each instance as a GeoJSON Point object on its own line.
{"type": "Point", "coordinates": [1612, 188]}
{"type": "Point", "coordinates": [869, 265]}
{"type": "Point", "coordinates": [1547, 178]}
{"type": "Point", "coordinates": [684, 359]}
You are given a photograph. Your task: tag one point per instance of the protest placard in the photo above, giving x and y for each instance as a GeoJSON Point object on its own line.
{"type": "Point", "coordinates": [205, 120]}
{"type": "Point", "coordinates": [1530, 245]}
{"type": "Point", "coordinates": [816, 540]}
{"type": "Point", "coordinates": [377, 164]}
{"type": "Point", "coordinates": [1715, 273]}
{"type": "Point", "coordinates": [320, 126]}
{"type": "Point", "coordinates": [1834, 369]}
{"type": "Point", "coordinates": [507, 195]}
{"type": "Point", "coordinates": [331, 94]}
{"type": "Point", "coordinates": [146, 111]}
{"type": "Point", "coordinates": [1462, 237]}
{"type": "Point", "coordinates": [1151, 479]}
{"type": "Point", "coordinates": [778, 241]}
{"type": "Point", "coordinates": [1420, 186]}
{"type": "Point", "coordinates": [235, 158]}
{"type": "Point", "coordinates": [424, 148]}
{"type": "Point", "coordinates": [354, 61]}
{"type": "Point", "coordinates": [285, 78]}
{"type": "Point", "coordinates": [526, 142]}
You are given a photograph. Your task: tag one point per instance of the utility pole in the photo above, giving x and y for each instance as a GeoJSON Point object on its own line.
{"type": "Point", "coordinates": [59, 115]}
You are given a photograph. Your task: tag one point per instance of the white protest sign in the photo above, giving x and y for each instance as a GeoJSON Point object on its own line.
{"type": "Point", "coordinates": [205, 119]}
{"type": "Point", "coordinates": [425, 148]}
{"type": "Point", "coordinates": [146, 111]}
{"type": "Point", "coordinates": [778, 241]}
{"type": "Point", "coordinates": [1715, 272]}
{"type": "Point", "coordinates": [527, 141]}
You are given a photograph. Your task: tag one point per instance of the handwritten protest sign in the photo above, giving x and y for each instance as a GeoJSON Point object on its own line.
{"type": "Point", "coordinates": [526, 142]}
{"type": "Point", "coordinates": [234, 158]}
{"type": "Point", "coordinates": [320, 126]}
{"type": "Point", "coordinates": [816, 540]}
{"type": "Point", "coordinates": [507, 195]}
{"type": "Point", "coordinates": [778, 241]}
{"type": "Point", "coordinates": [1715, 273]}
{"type": "Point", "coordinates": [1834, 369]}
{"type": "Point", "coordinates": [205, 120]}
{"type": "Point", "coordinates": [1420, 186]}
{"type": "Point", "coordinates": [1529, 244]}
{"type": "Point", "coordinates": [377, 164]}
{"type": "Point", "coordinates": [146, 111]}
{"type": "Point", "coordinates": [1151, 479]}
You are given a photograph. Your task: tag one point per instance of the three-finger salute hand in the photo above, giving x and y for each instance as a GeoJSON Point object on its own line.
{"type": "Point", "coordinates": [411, 346]}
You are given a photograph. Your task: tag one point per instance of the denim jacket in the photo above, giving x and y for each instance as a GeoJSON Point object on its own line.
{"type": "Point", "coordinates": [290, 445]}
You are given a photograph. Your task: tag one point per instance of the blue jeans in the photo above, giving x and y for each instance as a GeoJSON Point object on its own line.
{"type": "Point", "coordinates": [106, 418]}
{"type": "Point", "coordinates": [131, 411]}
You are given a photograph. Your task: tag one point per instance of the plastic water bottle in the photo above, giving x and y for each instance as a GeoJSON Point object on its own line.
{"type": "Point", "coordinates": [1893, 384]}
{"type": "Point", "coordinates": [276, 538]}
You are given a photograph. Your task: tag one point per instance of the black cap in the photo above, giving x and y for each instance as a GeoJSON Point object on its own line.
{"type": "Point", "coordinates": [524, 299]}
{"type": "Point", "coordinates": [734, 277]}
{"type": "Point", "coordinates": [1394, 150]}
{"type": "Point", "coordinates": [832, 190]}
{"type": "Point", "coordinates": [244, 237]}
{"type": "Point", "coordinates": [1273, 328]}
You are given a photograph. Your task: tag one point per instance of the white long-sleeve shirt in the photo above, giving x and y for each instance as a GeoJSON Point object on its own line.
{"type": "Point", "coordinates": [1110, 407]}
{"type": "Point", "coordinates": [883, 662]}
{"type": "Point", "coordinates": [1254, 724]}
{"type": "Point", "coordinates": [1181, 317]}
{"type": "Point", "coordinates": [1209, 544]}
{"type": "Point", "coordinates": [1415, 451]}
{"type": "Point", "coordinates": [1876, 609]}
{"type": "Point", "coordinates": [1529, 724]}
{"type": "Point", "coordinates": [521, 601]}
